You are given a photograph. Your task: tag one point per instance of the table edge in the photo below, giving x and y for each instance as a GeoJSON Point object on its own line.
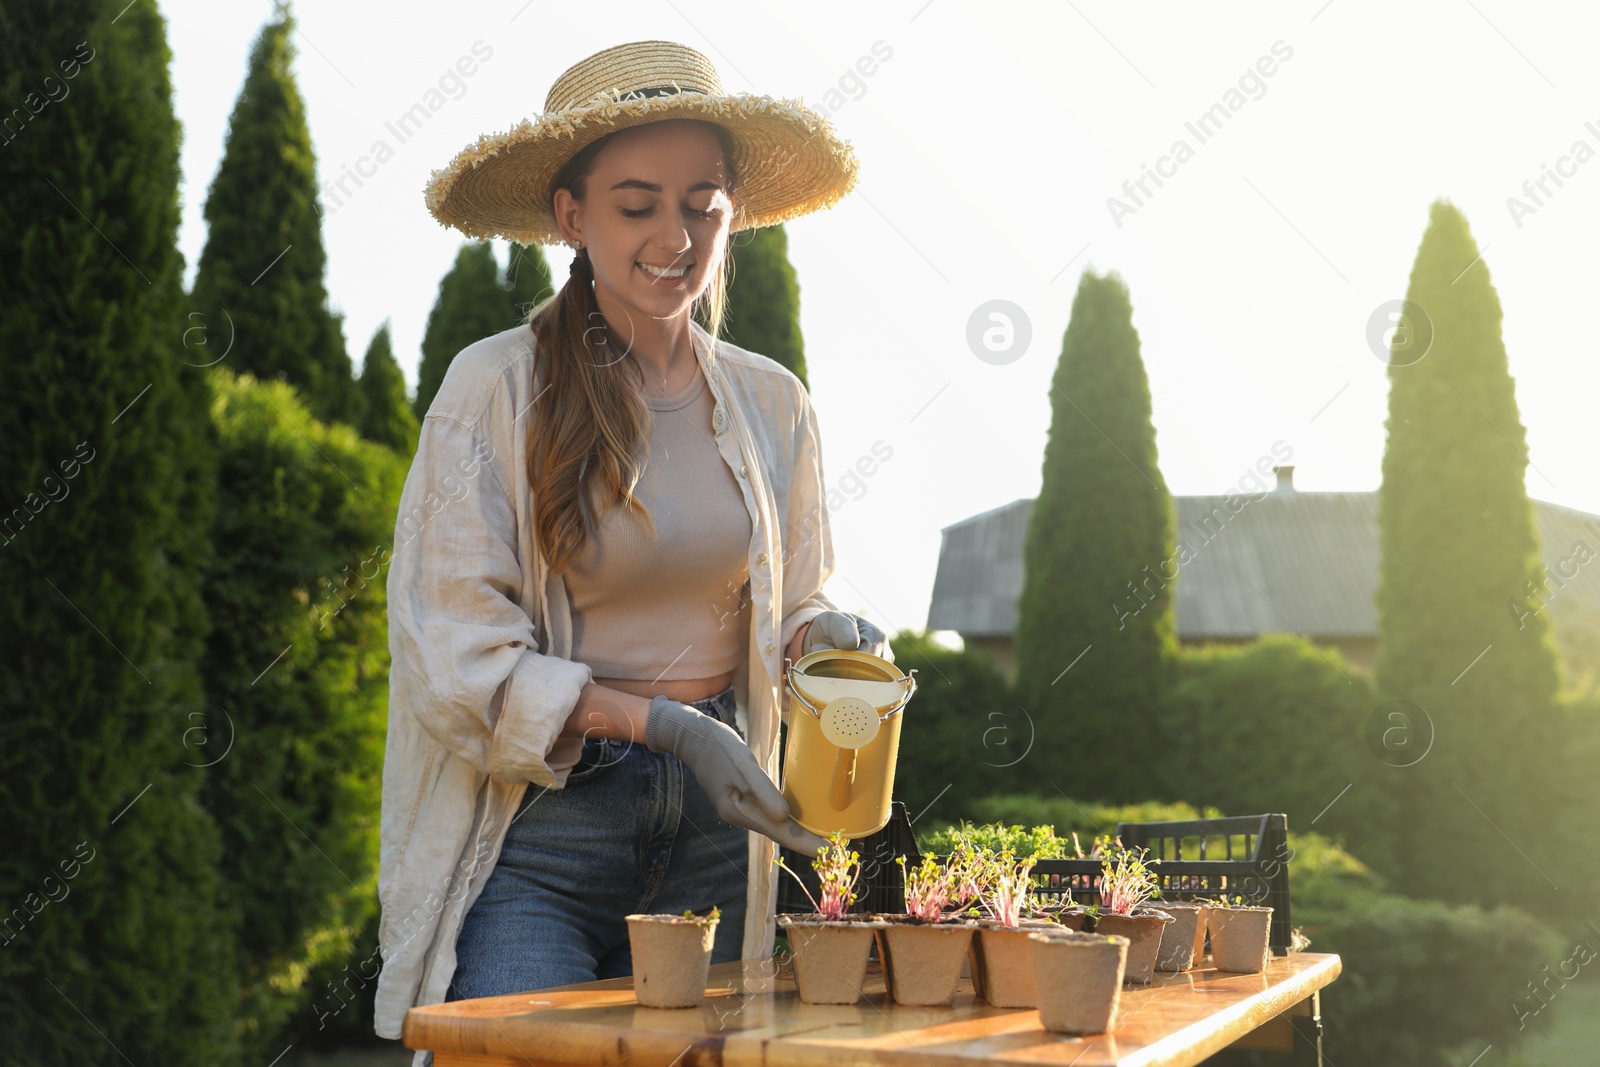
{"type": "Point", "coordinates": [1298, 988]}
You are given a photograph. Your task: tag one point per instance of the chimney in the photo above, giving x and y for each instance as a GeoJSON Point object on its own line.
{"type": "Point", "coordinates": [1285, 479]}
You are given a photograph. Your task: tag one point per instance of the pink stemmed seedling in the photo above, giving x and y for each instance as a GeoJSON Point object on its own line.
{"type": "Point", "coordinates": [1126, 881]}
{"type": "Point", "coordinates": [969, 872]}
{"type": "Point", "coordinates": [927, 889]}
{"type": "Point", "coordinates": [934, 891]}
{"type": "Point", "coordinates": [1008, 888]}
{"type": "Point", "coordinates": [838, 869]}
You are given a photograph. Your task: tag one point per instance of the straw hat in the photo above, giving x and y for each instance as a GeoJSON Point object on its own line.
{"type": "Point", "coordinates": [788, 160]}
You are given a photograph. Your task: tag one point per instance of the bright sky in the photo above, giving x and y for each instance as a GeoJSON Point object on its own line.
{"type": "Point", "coordinates": [991, 138]}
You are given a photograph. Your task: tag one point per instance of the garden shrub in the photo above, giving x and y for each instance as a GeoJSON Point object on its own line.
{"type": "Point", "coordinates": [1277, 725]}
{"type": "Point", "coordinates": [113, 945]}
{"type": "Point", "coordinates": [298, 660]}
{"type": "Point", "coordinates": [964, 728]}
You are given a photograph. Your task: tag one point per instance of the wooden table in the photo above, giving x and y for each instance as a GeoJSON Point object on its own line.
{"type": "Point", "coordinates": [753, 1017]}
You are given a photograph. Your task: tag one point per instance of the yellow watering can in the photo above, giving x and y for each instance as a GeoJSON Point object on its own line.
{"type": "Point", "coordinates": [844, 737]}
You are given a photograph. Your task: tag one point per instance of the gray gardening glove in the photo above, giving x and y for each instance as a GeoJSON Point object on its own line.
{"type": "Point", "coordinates": [728, 772]}
{"type": "Point", "coordinates": [840, 629]}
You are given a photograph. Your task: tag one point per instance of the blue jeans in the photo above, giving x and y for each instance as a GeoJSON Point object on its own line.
{"type": "Point", "coordinates": [632, 831]}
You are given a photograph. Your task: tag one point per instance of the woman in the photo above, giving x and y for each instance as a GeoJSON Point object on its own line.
{"type": "Point", "coordinates": [612, 535]}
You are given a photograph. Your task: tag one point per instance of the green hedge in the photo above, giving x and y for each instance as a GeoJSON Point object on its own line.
{"type": "Point", "coordinates": [962, 728]}
{"type": "Point", "coordinates": [113, 948]}
{"type": "Point", "coordinates": [298, 661]}
{"type": "Point", "coordinates": [1277, 725]}
{"type": "Point", "coordinates": [1563, 844]}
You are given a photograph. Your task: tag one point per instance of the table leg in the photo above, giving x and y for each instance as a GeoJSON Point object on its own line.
{"type": "Point", "coordinates": [1308, 1032]}
{"type": "Point", "coordinates": [1294, 1037]}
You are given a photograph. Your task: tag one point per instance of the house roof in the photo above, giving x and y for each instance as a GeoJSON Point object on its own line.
{"type": "Point", "coordinates": [1287, 562]}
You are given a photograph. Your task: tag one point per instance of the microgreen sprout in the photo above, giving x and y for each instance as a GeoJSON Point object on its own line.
{"type": "Point", "coordinates": [1047, 906]}
{"type": "Point", "coordinates": [927, 889]}
{"type": "Point", "coordinates": [958, 886]}
{"type": "Point", "coordinates": [1007, 891]}
{"type": "Point", "coordinates": [969, 869]}
{"type": "Point", "coordinates": [710, 917]}
{"type": "Point", "coordinates": [1126, 881]}
{"type": "Point", "coordinates": [838, 869]}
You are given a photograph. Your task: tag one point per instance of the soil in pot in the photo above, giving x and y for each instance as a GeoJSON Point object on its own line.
{"type": "Point", "coordinates": [830, 956]}
{"type": "Point", "coordinates": [922, 961]}
{"type": "Point", "coordinates": [1079, 979]}
{"type": "Point", "coordinates": [671, 957]}
{"type": "Point", "coordinates": [1143, 928]}
{"type": "Point", "coordinates": [1183, 944]}
{"type": "Point", "coordinates": [1001, 962]}
{"type": "Point", "coordinates": [1239, 937]}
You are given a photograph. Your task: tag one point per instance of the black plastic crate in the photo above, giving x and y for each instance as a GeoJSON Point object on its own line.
{"type": "Point", "coordinates": [1254, 864]}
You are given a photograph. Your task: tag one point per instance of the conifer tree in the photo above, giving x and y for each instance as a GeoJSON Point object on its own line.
{"type": "Point", "coordinates": [115, 946]}
{"type": "Point", "coordinates": [527, 277]}
{"type": "Point", "coordinates": [260, 285]}
{"type": "Point", "coordinates": [1465, 641]}
{"type": "Point", "coordinates": [472, 304]}
{"type": "Point", "coordinates": [299, 661]}
{"type": "Point", "coordinates": [763, 313]}
{"type": "Point", "coordinates": [1095, 633]}
{"type": "Point", "coordinates": [386, 415]}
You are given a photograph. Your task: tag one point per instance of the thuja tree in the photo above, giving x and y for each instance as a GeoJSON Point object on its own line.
{"type": "Point", "coordinates": [763, 313]}
{"type": "Point", "coordinates": [1465, 652]}
{"type": "Point", "coordinates": [113, 945]}
{"type": "Point", "coordinates": [472, 304]}
{"type": "Point", "coordinates": [1095, 635]}
{"type": "Point", "coordinates": [385, 412]}
{"type": "Point", "coordinates": [476, 299]}
{"type": "Point", "coordinates": [259, 288]}
{"type": "Point", "coordinates": [526, 278]}
{"type": "Point", "coordinates": [298, 664]}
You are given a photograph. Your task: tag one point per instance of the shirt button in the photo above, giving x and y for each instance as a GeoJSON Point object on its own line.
{"type": "Point", "coordinates": [744, 472]}
{"type": "Point", "coordinates": [761, 558]}
{"type": "Point", "coordinates": [718, 418]}
{"type": "Point", "coordinates": [770, 647]}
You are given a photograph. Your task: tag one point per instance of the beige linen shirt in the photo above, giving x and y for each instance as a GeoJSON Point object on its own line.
{"type": "Point", "coordinates": [480, 681]}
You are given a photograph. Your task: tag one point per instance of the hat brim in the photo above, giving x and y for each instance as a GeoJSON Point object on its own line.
{"type": "Point", "coordinates": [788, 162]}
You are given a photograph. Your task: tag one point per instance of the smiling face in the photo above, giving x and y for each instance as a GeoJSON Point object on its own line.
{"type": "Point", "coordinates": [654, 218]}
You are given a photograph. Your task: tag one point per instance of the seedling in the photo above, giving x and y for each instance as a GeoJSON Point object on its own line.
{"type": "Point", "coordinates": [927, 889]}
{"type": "Point", "coordinates": [710, 917]}
{"type": "Point", "coordinates": [1008, 890]}
{"type": "Point", "coordinates": [935, 890]}
{"type": "Point", "coordinates": [838, 869]}
{"type": "Point", "coordinates": [1047, 906]}
{"type": "Point", "coordinates": [1126, 881]}
{"type": "Point", "coordinates": [969, 872]}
